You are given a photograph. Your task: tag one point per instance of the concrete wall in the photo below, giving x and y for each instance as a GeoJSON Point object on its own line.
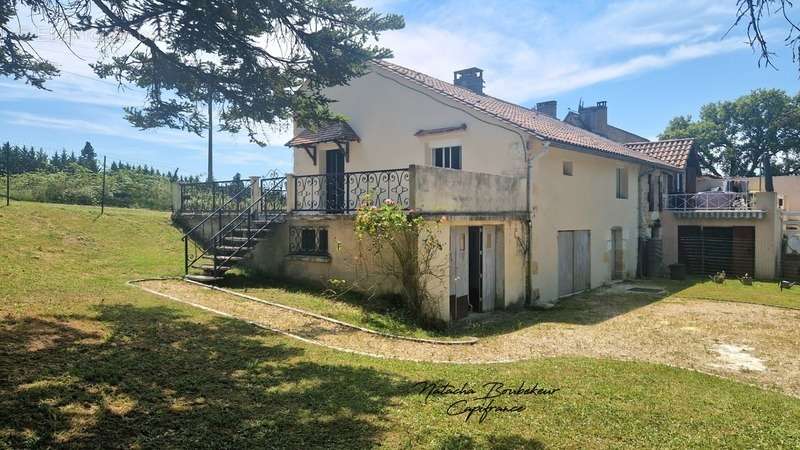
{"type": "Point", "coordinates": [348, 262]}
{"type": "Point", "coordinates": [584, 201]}
{"type": "Point", "coordinates": [769, 234]}
{"type": "Point", "coordinates": [788, 186]}
{"type": "Point", "coordinates": [436, 190]}
{"type": "Point", "coordinates": [386, 115]}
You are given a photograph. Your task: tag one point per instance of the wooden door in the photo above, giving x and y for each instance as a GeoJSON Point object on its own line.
{"type": "Point", "coordinates": [582, 271]}
{"type": "Point", "coordinates": [459, 288]}
{"type": "Point", "coordinates": [334, 181]}
{"type": "Point", "coordinates": [618, 258]}
{"type": "Point", "coordinates": [489, 273]}
{"type": "Point", "coordinates": [574, 262]}
{"type": "Point", "coordinates": [565, 262]}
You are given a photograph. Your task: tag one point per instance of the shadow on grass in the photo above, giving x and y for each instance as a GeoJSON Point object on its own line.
{"type": "Point", "coordinates": [160, 380]}
{"type": "Point", "coordinates": [382, 313]}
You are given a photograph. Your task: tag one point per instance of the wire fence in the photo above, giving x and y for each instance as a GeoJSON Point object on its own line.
{"type": "Point", "coordinates": [128, 188]}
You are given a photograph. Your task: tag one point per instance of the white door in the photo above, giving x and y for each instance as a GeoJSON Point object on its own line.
{"type": "Point", "coordinates": [489, 275]}
{"type": "Point", "coordinates": [459, 282]}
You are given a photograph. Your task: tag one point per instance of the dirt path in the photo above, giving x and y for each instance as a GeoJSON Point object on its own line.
{"type": "Point", "coordinates": [750, 343]}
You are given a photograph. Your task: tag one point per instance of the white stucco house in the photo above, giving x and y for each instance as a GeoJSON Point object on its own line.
{"type": "Point", "coordinates": [529, 208]}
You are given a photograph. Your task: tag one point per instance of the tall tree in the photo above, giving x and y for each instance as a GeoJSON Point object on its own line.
{"type": "Point", "coordinates": [262, 62]}
{"type": "Point", "coordinates": [88, 157]}
{"type": "Point", "coordinates": [756, 134]}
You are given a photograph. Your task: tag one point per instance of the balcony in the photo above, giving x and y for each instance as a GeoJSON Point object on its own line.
{"type": "Point", "coordinates": [714, 204]}
{"type": "Point", "coordinates": [429, 190]}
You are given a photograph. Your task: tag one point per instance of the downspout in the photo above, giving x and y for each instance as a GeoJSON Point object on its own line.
{"type": "Point", "coordinates": [529, 207]}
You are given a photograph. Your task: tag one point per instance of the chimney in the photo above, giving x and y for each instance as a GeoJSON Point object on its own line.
{"type": "Point", "coordinates": [595, 118]}
{"type": "Point", "coordinates": [549, 108]}
{"type": "Point", "coordinates": [471, 79]}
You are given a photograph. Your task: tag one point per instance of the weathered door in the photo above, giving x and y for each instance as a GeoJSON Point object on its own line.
{"type": "Point", "coordinates": [582, 270]}
{"type": "Point", "coordinates": [618, 259]}
{"type": "Point", "coordinates": [459, 288]}
{"type": "Point", "coordinates": [574, 269]}
{"type": "Point", "coordinates": [565, 262]}
{"type": "Point", "coordinates": [334, 180]}
{"type": "Point", "coordinates": [489, 273]}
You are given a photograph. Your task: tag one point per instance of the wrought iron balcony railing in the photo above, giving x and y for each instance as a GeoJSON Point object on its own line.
{"type": "Point", "coordinates": [710, 201]}
{"type": "Point", "coordinates": [344, 192]}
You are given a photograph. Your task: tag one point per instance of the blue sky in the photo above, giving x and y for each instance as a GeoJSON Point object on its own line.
{"type": "Point", "coordinates": [651, 60]}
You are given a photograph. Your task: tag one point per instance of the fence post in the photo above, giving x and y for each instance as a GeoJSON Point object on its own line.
{"type": "Point", "coordinates": [255, 190]}
{"type": "Point", "coordinates": [103, 196]}
{"type": "Point", "coordinates": [8, 175]}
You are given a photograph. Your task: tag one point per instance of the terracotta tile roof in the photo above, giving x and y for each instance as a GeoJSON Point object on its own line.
{"type": "Point", "coordinates": [674, 152]}
{"type": "Point", "coordinates": [334, 131]}
{"type": "Point", "coordinates": [540, 124]}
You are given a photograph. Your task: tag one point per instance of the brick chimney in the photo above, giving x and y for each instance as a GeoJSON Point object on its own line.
{"type": "Point", "coordinates": [548, 108]}
{"type": "Point", "coordinates": [471, 79]}
{"type": "Point", "coordinates": [595, 118]}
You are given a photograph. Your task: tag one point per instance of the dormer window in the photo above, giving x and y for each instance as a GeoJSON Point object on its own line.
{"type": "Point", "coordinates": [447, 157]}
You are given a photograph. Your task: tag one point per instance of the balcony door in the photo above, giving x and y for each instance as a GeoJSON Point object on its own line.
{"type": "Point", "coordinates": [334, 181]}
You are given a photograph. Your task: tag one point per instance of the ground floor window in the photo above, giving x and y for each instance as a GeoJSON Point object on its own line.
{"type": "Point", "coordinates": [308, 240]}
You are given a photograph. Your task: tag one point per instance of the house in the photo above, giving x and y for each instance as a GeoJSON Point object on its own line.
{"type": "Point", "coordinates": [528, 208]}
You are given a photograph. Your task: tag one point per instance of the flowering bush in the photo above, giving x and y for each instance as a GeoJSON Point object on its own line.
{"type": "Point", "coordinates": [412, 245]}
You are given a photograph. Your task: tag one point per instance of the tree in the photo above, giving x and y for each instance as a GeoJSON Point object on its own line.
{"type": "Point", "coordinates": [752, 12]}
{"type": "Point", "coordinates": [756, 134]}
{"type": "Point", "coordinates": [88, 157]}
{"type": "Point", "coordinates": [262, 62]}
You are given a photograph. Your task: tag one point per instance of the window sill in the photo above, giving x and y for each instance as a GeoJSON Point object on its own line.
{"type": "Point", "coordinates": [309, 257]}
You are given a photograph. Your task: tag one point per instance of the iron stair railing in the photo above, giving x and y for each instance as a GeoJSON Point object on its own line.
{"type": "Point", "coordinates": [268, 205]}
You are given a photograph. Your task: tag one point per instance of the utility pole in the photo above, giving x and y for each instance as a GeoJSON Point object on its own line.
{"type": "Point", "coordinates": [210, 136]}
{"type": "Point", "coordinates": [103, 197]}
{"type": "Point", "coordinates": [8, 175]}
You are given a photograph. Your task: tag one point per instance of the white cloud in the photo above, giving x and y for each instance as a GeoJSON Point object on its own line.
{"type": "Point", "coordinates": [533, 49]}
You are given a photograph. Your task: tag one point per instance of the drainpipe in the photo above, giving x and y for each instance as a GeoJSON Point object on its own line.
{"type": "Point", "coordinates": [529, 207]}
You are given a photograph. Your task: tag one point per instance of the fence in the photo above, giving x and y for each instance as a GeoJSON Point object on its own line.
{"type": "Point", "coordinates": [344, 192]}
{"type": "Point", "coordinates": [714, 201]}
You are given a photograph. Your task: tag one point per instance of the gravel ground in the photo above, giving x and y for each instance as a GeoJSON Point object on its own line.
{"type": "Point", "coordinates": [678, 332]}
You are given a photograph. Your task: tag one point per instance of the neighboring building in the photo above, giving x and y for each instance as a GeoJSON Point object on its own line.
{"type": "Point", "coordinates": [595, 119]}
{"type": "Point", "coordinates": [529, 208]}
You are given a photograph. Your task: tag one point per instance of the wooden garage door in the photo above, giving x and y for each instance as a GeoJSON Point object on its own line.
{"type": "Point", "coordinates": [708, 250]}
{"type": "Point", "coordinates": [573, 261]}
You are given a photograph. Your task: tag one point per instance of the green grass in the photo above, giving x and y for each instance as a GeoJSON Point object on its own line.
{"type": "Point", "coordinates": [761, 292]}
{"type": "Point", "coordinates": [86, 361]}
{"type": "Point", "coordinates": [378, 313]}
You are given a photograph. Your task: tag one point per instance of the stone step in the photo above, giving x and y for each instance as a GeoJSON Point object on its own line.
{"type": "Point", "coordinates": [221, 258]}
{"type": "Point", "coordinates": [210, 268]}
{"type": "Point", "coordinates": [202, 278]}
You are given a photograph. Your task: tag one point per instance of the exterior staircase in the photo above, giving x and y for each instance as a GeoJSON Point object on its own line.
{"type": "Point", "coordinates": [225, 237]}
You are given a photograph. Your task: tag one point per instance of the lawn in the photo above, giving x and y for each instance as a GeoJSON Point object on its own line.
{"type": "Point", "coordinates": [86, 361]}
{"type": "Point", "coordinates": [761, 292]}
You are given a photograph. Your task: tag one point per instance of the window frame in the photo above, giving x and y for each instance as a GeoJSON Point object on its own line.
{"type": "Point", "coordinates": [622, 183]}
{"type": "Point", "coordinates": [447, 156]}
{"type": "Point", "coordinates": [298, 241]}
{"type": "Point", "coordinates": [567, 168]}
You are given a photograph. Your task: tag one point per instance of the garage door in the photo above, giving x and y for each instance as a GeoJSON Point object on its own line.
{"type": "Point", "coordinates": [573, 262]}
{"type": "Point", "coordinates": [708, 250]}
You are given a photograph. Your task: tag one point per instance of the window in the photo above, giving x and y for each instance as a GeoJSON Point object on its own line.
{"type": "Point", "coordinates": [567, 168]}
{"type": "Point", "coordinates": [622, 182]}
{"type": "Point", "coordinates": [308, 241]}
{"type": "Point", "coordinates": [447, 157]}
